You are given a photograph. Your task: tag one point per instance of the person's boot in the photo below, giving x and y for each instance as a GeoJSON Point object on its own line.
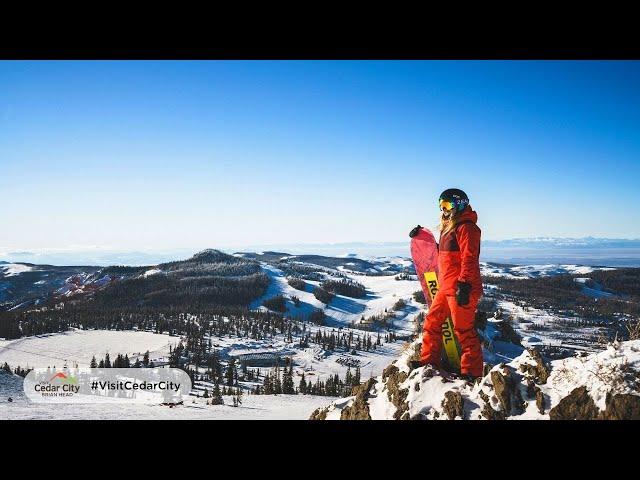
{"type": "Point", "coordinates": [470, 379]}
{"type": "Point", "coordinates": [414, 364]}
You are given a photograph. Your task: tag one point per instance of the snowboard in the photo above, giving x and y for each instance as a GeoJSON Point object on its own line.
{"type": "Point", "coordinates": [424, 252]}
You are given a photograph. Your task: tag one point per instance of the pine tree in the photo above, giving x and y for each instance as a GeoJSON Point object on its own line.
{"type": "Point", "coordinates": [277, 383]}
{"type": "Point", "coordinates": [303, 384]}
{"type": "Point", "coordinates": [216, 396]}
{"type": "Point", "coordinates": [231, 372]}
{"type": "Point", "coordinates": [93, 363]}
{"type": "Point", "coordinates": [145, 359]}
{"type": "Point", "coordinates": [287, 379]}
{"type": "Point", "coordinates": [107, 361]}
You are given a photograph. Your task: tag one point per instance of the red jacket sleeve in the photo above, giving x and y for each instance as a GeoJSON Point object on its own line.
{"type": "Point", "coordinates": [468, 236]}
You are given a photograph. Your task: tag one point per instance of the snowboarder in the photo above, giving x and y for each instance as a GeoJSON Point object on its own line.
{"type": "Point", "coordinates": [460, 284]}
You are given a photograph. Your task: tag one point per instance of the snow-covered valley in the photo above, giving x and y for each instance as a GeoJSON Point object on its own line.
{"type": "Point", "coordinates": [384, 311]}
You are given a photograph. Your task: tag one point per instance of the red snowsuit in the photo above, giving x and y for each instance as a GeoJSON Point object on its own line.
{"type": "Point", "coordinates": [458, 260]}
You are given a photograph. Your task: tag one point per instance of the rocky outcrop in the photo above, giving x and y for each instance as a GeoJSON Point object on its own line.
{"type": "Point", "coordinates": [359, 409]}
{"type": "Point", "coordinates": [319, 414]}
{"type": "Point", "coordinates": [453, 405]}
{"type": "Point", "coordinates": [622, 407]}
{"type": "Point", "coordinates": [507, 332]}
{"type": "Point", "coordinates": [603, 385]}
{"type": "Point", "coordinates": [507, 391]}
{"type": "Point", "coordinates": [540, 401]}
{"type": "Point", "coordinates": [397, 396]}
{"type": "Point", "coordinates": [578, 405]}
{"type": "Point", "coordinates": [540, 371]}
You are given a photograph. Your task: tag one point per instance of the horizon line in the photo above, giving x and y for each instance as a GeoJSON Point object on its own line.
{"type": "Point", "coordinates": [109, 249]}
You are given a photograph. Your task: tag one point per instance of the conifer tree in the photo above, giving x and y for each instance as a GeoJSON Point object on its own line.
{"type": "Point", "coordinates": [216, 395]}
{"type": "Point", "coordinates": [231, 372]}
{"type": "Point", "coordinates": [303, 384]}
{"type": "Point", "coordinates": [287, 379]}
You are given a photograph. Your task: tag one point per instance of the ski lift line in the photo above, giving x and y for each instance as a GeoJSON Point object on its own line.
{"type": "Point", "coordinates": [70, 356]}
{"type": "Point", "coordinates": [34, 353]}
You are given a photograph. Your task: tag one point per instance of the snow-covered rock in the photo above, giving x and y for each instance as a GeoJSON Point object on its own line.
{"type": "Point", "coordinates": [604, 385]}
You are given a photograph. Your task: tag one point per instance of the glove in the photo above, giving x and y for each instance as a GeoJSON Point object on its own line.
{"type": "Point", "coordinates": [415, 231]}
{"type": "Point", "coordinates": [462, 293]}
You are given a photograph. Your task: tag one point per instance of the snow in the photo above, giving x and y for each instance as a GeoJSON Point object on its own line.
{"type": "Point", "coordinates": [313, 361]}
{"type": "Point", "coordinates": [336, 408]}
{"type": "Point", "coordinates": [343, 312]}
{"type": "Point", "coordinates": [379, 406]}
{"type": "Point", "coordinates": [595, 290]}
{"type": "Point", "coordinates": [382, 293]}
{"type": "Point", "coordinates": [598, 372]}
{"type": "Point", "coordinates": [596, 293]}
{"type": "Point", "coordinates": [602, 373]}
{"type": "Point", "coordinates": [541, 327]}
{"type": "Point", "coordinates": [317, 363]}
{"type": "Point", "coordinates": [533, 271]}
{"type": "Point", "coordinates": [254, 407]}
{"type": "Point", "coordinates": [12, 269]}
{"type": "Point", "coordinates": [78, 346]}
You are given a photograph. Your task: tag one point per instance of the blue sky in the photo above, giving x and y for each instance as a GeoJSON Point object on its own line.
{"type": "Point", "coordinates": [164, 155]}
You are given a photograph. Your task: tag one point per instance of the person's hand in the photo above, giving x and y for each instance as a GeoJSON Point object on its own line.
{"type": "Point", "coordinates": [462, 293]}
{"type": "Point", "coordinates": [415, 231]}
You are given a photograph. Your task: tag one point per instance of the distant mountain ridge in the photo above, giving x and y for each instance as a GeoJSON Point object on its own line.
{"type": "Point", "coordinates": [564, 242]}
{"type": "Point", "coordinates": [362, 250]}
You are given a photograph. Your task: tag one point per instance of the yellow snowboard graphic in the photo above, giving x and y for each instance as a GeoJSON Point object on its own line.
{"type": "Point", "coordinates": [451, 348]}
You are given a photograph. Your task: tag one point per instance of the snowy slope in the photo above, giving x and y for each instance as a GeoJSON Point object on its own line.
{"type": "Point", "coordinates": [534, 271]}
{"type": "Point", "coordinates": [541, 327]}
{"type": "Point", "coordinates": [254, 407]}
{"type": "Point", "coordinates": [382, 293]}
{"type": "Point", "coordinates": [12, 269]}
{"type": "Point", "coordinates": [78, 346]}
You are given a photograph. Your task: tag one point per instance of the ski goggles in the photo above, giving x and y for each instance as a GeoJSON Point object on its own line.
{"type": "Point", "coordinates": [446, 205]}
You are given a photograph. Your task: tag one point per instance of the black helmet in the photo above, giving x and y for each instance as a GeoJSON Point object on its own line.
{"type": "Point", "coordinates": [455, 197]}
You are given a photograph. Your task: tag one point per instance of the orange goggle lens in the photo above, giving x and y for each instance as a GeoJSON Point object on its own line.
{"type": "Point", "coordinates": [446, 205]}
